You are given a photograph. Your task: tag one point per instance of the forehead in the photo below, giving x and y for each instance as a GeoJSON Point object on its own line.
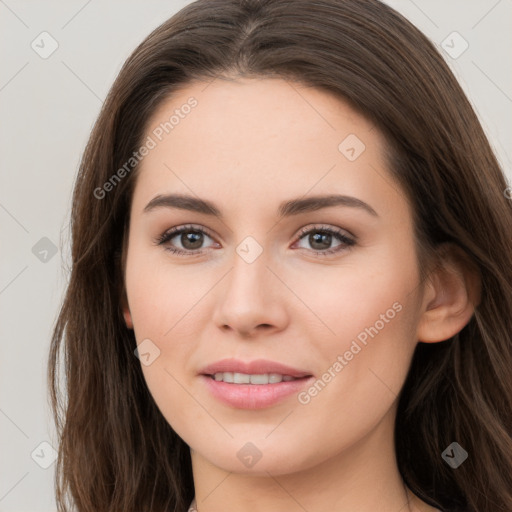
{"type": "Point", "coordinates": [251, 111]}
{"type": "Point", "coordinates": [250, 141]}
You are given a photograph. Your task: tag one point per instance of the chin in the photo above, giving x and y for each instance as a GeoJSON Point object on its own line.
{"type": "Point", "coordinates": [260, 458]}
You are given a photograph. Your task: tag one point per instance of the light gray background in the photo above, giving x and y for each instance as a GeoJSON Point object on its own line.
{"type": "Point", "coordinates": [48, 107]}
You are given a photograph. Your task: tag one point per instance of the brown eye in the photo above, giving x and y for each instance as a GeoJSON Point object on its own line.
{"type": "Point", "coordinates": [191, 240]}
{"type": "Point", "coordinates": [186, 240]}
{"type": "Point", "coordinates": [320, 239]}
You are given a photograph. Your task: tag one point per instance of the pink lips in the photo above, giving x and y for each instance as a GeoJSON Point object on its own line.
{"type": "Point", "coordinates": [253, 396]}
{"type": "Point", "coordinates": [255, 367]}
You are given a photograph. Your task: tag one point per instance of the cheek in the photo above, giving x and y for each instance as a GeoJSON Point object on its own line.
{"type": "Point", "coordinates": [161, 299]}
{"type": "Point", "coordinates": [160, 294]}
{"type": "Point", "coordinates": [370, 313]}
{"type": "Point", "coordinates": [362, 296]}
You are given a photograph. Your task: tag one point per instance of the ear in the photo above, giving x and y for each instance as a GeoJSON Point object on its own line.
{"type": "Point", "coordinates": [121, 258]}
{"type": "Point", "coordinates": [126, 311]}
{"type": "Point", "coordinates": [451, 295]}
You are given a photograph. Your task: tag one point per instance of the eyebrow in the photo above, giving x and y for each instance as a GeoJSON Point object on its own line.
{"type": "Point", "coordinates": [286, 209]}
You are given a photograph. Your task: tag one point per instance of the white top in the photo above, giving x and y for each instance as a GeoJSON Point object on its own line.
{"type": "Point", "coordinates": [193, 508]}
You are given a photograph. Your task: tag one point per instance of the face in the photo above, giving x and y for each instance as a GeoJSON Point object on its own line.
{"type": "Point", "coordinates": [329, 289]}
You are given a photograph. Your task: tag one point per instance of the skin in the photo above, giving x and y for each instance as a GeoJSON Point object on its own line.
{"type": "Point", "coordinates": [247, 146]}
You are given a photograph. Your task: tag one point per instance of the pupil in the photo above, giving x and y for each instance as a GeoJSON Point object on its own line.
{"type": "Point", "coordinates": [192, 240]}
{"type": "Point", "coordinates": [321, 238]}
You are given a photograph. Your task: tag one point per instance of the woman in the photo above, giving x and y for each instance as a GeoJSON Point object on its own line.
{"type": "Point", "coordinates": [291, 281]}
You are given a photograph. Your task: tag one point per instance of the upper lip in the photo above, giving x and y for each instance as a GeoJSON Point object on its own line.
{"type": "Point", "coordinates": [255, 367]}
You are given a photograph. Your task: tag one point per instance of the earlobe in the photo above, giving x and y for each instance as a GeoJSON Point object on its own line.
{"type": "Point", "coordinates": [128, 318]}
{"type": "Point", "coordinates": [126, 312]}
{"type": "Point", "coordinates": [451, 296]}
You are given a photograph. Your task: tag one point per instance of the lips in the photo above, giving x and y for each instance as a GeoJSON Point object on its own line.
{"type": "Point", "coordinates": [255, 367]}
{"type": "Point", "coordinates": [230, 387]}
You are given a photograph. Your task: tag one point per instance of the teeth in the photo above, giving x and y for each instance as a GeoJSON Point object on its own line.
{"type": "Point", "coordinates": [244, 378]}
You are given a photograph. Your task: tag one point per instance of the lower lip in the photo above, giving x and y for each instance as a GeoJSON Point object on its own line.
{"type": "Point", "coordinates": [254, 396]}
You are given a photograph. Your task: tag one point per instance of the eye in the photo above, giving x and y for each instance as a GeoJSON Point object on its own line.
{"type": "Point", "coordinates": [190, 238]}
{"type": "Point", "coordinates": [320, 239]}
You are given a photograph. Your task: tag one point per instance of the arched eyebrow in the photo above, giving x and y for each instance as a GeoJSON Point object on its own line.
{"type": "Point", "coordinates": [286, 208]}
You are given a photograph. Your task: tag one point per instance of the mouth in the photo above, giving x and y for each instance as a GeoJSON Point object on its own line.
{"type": "Point", "coordinates": [254, 379]}
{"type": "Point", "coordinates": [253, 384]}
{"type": "Point", "coordinates": [257, 371]}
{"type": "Point", "coordinates": [253, 391]}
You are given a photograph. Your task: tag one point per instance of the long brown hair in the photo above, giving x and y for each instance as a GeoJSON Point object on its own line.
{"type": "Point", "coordinates": [117, 452]}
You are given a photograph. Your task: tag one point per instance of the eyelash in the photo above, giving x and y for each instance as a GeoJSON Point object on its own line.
{"type": "Point", "coordinates": [346, 242]}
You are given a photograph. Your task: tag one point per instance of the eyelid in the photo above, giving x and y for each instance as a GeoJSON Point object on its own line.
{"type": "Point", "coordinates": [182, 227]}
{"type": "Point", "coordinates": [324, 227]}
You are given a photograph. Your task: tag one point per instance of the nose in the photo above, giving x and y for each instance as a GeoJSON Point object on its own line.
{"type": "Point", "coordinates": [251, 299]}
